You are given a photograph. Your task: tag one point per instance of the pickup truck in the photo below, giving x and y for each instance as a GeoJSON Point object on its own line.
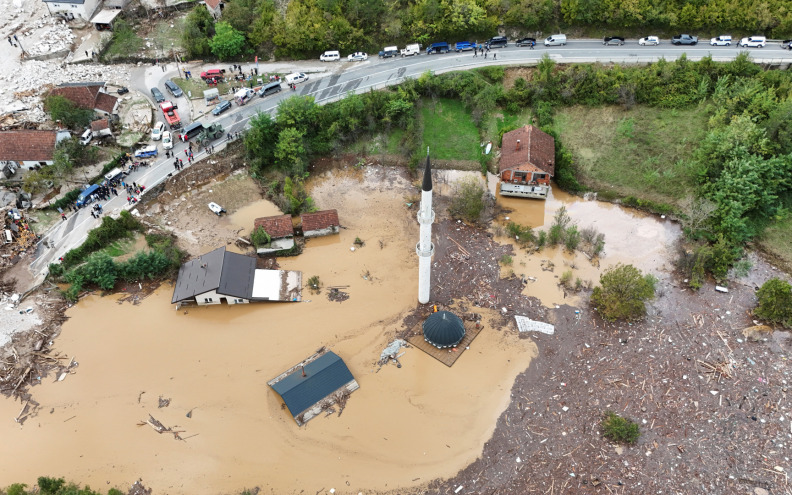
{"type": "Point", "coordinates": [171, 117]}
{"type": "Point", "coordinates": [684, 39]}
{"type": "Point", "coordinates": [389, 51]}
{"type": "Point", "coordinates": [440, 47]}
{"type": "Point", "coordinates": [409, 50]}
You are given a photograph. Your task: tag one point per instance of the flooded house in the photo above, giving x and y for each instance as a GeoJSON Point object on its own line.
{"type": "Point", "coordinates": [221, 275]}
{"type": "Point", "coordinates": [527, 163]}
{"type": "Point", "coordinates": [320, 223]}
{"type": "Point", "coordinates": [281, 232]}
{"type": "Point", "coordinates": [313, 385]}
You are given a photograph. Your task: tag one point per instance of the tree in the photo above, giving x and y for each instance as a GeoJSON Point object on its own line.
{"type": "Point", "coordinates": [775, 302]}
{"type": "Point", "coordinates": [290, 152]}
{"type": "Point", "coordinates": [198, 30]}
{"type": "Point", "coordinates": [64, 110]}
{"type": "Point", "coordinates": [260, 142]}
{"type": "Point", "coordinates": [467, 200]}
{"type": "Point", "coordinates": [227, 43]}
{"type": "Point", "coordinates": [623, 292]}
{"type": "Point", "coordinates": [297, 199]}
{"type": "Point", "coordinates": [241, 14]}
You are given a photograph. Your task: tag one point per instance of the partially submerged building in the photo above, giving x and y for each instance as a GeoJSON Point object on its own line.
{"type": "Point", "coordinates": [320, 223]}
{"type": "Point", "coordinates": [313, 385]}
{"type": "Point", "coordinates": [281, 232]}
{"type": "Point", "coordinates": [443, 329]}
{"type": "Point", "coordinates": [527, 163]}
{"type": "Point", "coordinates": [221, 275]}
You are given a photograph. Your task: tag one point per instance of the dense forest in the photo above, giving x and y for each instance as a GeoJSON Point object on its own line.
{"type": "Point", "coordinates": [304, 28]}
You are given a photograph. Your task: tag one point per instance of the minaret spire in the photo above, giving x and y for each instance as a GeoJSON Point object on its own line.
{"type": "Point", "coordinates": [425, 249]}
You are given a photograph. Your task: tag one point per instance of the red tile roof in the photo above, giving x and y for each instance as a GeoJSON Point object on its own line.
{"type": "Point", "coordinates": [27, 145]}
{"type": "Point", "coordinates": [319, 220]}
{"type": "Point", "coordinates": [212, 3]}
{"type": "Point", "coordinates": [105, 102]}
{"type": "Point", "coordinates": [536, 149]}
{"type": "Point", "coordinates": [277, 226]}
{"type": "Point", "coordinates": [82, 96]}
{"type": "Point", "coordinates": [98, 125]}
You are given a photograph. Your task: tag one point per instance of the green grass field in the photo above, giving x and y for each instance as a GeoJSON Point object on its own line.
{"type": "Point", "coordinates": [504, 120]}
{"type": "Point", "coordinates": [643, 152]}
{"type": "Point", "coordinates": [449, 130]}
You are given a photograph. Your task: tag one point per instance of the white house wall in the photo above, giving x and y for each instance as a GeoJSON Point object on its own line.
{"type": "Point", "coordinates": [321, 232]}
{"type": "Point", "coordinates": [85, 10]}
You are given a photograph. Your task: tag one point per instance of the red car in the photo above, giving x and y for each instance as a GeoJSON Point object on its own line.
{"type": "Point", "coordinates": [216, 74]}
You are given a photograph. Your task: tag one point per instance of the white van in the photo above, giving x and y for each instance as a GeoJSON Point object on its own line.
{"type": "Point", "coordinates": [296, 78]}
{"type": "Point", "coordinates": [330, 56]}
{"type": "Point", "coordinates": [410, 50]}
{"type": "Point", "coordinates": [555, 40]}
{"type": "Point", "coordinates": [86, 137]}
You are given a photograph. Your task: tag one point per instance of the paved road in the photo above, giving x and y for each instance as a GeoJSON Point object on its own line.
{"type": "Point", "coordinates": [328, 82]}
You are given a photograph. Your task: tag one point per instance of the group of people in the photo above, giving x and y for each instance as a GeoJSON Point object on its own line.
{"type": "Point", "coordinates": [485, 51]}
{"type": "Point", "coordinates": [96, 210]}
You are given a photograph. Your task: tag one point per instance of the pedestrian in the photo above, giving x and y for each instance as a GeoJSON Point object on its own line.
{"type": "Point", "coordinates": [211, 148]}
{"type": "Point", "coordinates": [533, 44]}
{"type": "Point", "coordinates": [494, 56]}
{"type": "Point", "coordinates": [185, 150]}
{"type": "Point", "coordinates": [63, 217]}
{"type": "Point", "coordinates": [16, 39]}
{"type": "Point", "coordinates": [93, 54]}
{"type": "Point", "coordinates": [475, 53]}
{"type": "Point", "coordinates": [86, 53]}
{"type": "Point", "coordinates": [93, 214]}
{"type": "Point", "coordinates": [134, 184]}
{"type": "Point", "coordinates": [485, 54]}
{"type": "Point", "coordinates": [10, 42]}
{"type": "Point", "coordinates": [189, 145]}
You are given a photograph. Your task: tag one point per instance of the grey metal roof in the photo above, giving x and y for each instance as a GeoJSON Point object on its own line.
{"type": "Point", "coordinates": [324, 376]}
{"type": "Point", "coordinates": [199, 275]}
{"type": "Point", "coordinates": [427, 178]}
{"type": "Point", "coordinates": [236, 278]}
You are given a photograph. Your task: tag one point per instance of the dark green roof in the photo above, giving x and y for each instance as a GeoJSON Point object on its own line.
{"type": "Point", "coordinates": [443, 329]}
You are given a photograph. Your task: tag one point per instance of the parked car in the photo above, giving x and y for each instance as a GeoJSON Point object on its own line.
{"type": "Point", "coordinates": [464, 46]}
{"type": "Point", "coordinates": [86, 137]}
{"type": "Point", "coordinates": [330, 56]}
{"type": "Point", "coordinates": [167, 140]}
{"type": "Point", "coordinates": [388, 52]}
{"type": "Point", "coordinates": [649, 40]}
{"type": "Point", "coordinates": [157, 94]}
{"type": "Point", "coordinates": [497, 42]}
{"type": "Point", "coordinates": [555, 40]}
{"type": "Point", "coordinates": [173, 89]}
{"type": "Point", "coordinates": [295, 78]}
{"type": "Point", "coordinates": [123, 90]}
{"type": "Point", "coordinates": [146, 152]}
{"type": "Point", "coordinates": [753, 42]}
{"type": "Point", "coordinates": [438, 47]}
{"type": "Point", "coordinates": [269, 89]}
{"type": "Point", "coordinates": [357, 57]}
{"type": "Point", "coordinates": [221, 107]}
{"type": "Point", "coordinates": [684, 39]}
{"type": "Point", "coordinates": [613, 40]}
{"type": "Point", "coordinates": [787, 44]}
{"type": "Point", "coordinates": [157, 130]}
{"type": "Point", "coordinates": [526, 42]}
{"type": "Point", "coordinates": [722, 40]}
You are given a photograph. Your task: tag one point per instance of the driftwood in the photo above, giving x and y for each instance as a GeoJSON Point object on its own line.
{"type": "Point", "coordinates": [161, 428]}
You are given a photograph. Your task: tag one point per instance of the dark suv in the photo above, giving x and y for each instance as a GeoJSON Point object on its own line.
{"type": "Point", "coordinates": [526, 42]}
{"type": "Point", "coordinates": [157, 94]}
{"type": "Point", "coordinates": [497, 42]}
{"type": "Point", "coordinates": [173, 89]}
{"type": "Point", "coordinates": [613, 40]}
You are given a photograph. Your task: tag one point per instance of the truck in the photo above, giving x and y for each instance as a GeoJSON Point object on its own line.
{"type": "Point", "coordinates": [244, 95]}
{"type": "Point", "coordinates": [409, 50]}
{"type": "Point", "coordinates": [171, 117]}
{"type": "Point", "coordinates": [439, 47]}
{"type": "Point", "coordinates": [684, 39]}
{"type": "Point", "coordinates": [389, 51]}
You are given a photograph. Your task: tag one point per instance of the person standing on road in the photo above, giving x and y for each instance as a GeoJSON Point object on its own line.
{"type": "Point", "coordinates": [63, 217]}
{"type": "Point", "coordinates": [494, 56]}
{"type": "Point", "coordinates": [10, 42]}
{"type": "Point", "coordinates": [475, 53]}
{"type": "Point", "coordinates": [185, 151]}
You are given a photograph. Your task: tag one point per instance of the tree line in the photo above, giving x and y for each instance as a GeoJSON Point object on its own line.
{"type": "Point", "coordinates": [305, 28]}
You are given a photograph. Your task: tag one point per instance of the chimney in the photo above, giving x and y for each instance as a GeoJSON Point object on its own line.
{"type": "Point", "coordinates": [518, 145]}
{"type": "Point", "coordinates": [303, 371]}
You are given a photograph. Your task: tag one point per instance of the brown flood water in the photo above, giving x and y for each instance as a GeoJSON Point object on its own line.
{"type": "Point", "coordinates": [402, 428]}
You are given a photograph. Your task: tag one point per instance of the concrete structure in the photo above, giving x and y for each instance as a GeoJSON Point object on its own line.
{"type": "Point", "coordinates": [27, 149]}
{"type": "Point", "coordinates": [215, 7]}
{"type": "Point", "coordinates": [71, 9]}
{"type": "Point", "coordinates": [89, 95]}
{"type": "Point", "coordinates": [221, 275]}
{"type": "Point", "coordinates": [103, 20]}
{"type": "Point", "coordinates": [425, 249]}
{"type": "Point", "coordinates": [101, 128]}
{"type": "Point", "coordinates": [280, 230]}
{"type": "Point", "coordinates": [314, 384]}
{"type": "Point", "coordinates": [527, 163]}
{"type": "Point", "coordinates": [320, 223]}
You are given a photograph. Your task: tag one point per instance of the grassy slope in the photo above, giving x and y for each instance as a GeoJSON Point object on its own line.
{"type": "Point", "coordinates": [640, 152]}
{"type": "Point", "coordinates": [449, 130]}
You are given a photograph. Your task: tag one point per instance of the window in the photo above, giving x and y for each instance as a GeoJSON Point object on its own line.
{"type": "Point", "coordinates": [239, 301]}
{"type": "Point", "coordinates": [207, 299]}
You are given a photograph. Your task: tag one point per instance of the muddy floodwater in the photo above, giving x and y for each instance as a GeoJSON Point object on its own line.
{"type": "Point", "coordinates": [402, 428]}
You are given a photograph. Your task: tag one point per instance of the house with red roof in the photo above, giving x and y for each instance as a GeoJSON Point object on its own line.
{"type": "Point", "coordinates": [89, 95]}
{"type": "Point", "coordinates": [215, 7]}
{"type": "Point", "coordinates": [28, 149]}
{"type": "Point", "coordinates": [320, 223]}
{"type": "Point", "coordinates": [281, 232]}
{"type": "Point", "coordinates": [527, 163]}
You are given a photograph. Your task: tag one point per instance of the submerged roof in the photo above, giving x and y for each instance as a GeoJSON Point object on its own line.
{"type": "Point", "coordinates": [443, 329]}
{"type": "Point", "coordinates": [319, 220]}
{"type": "Point", "coordinates": [228, 273]}
{"type": "Point", "coordinates": [528, 145]}
{"type": "Point", "coordinates": [323, 376]}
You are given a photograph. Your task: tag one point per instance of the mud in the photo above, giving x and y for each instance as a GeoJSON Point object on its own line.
{"type": "Point", "coordinates": [403, 427]}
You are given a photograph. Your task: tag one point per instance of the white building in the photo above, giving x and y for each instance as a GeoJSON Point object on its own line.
{"type": "Point", "coordinates": [72, 9]}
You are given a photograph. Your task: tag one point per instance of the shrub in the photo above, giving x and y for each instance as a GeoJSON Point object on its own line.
{"type": "Point", "coordinates": [775, 302]}
{"type": "Point", "coordinates": [506, 260]}
{"type": "Point", "coordinates": [50, 486]}
{"type": "Point", "coordinates": [467, 200]}
{"type": "Point", "coordinates": [623, 292]}
{"type": "Point", "coordinates": [522, 234]}
{"type": "Point", "coordinates": [259, 237]}
{"type": "Point", "coordinates": [619, 429]}
{"type": "Point", "coordinates": [572, 238]}
{"type": "Point", "coordinates": [314, 284]}
{"type": "Point", "coordinates": [566, 279]}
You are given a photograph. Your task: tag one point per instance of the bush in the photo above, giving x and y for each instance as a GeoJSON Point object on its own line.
{"type": "Point", "coordinates": [775, 302]}
{"type": "Point", "coordinates": [566, 279]}
{"type": "Point", "coordinates": [623, 292]}
{"type": "Point", "coordinates": [506, 260]}
{"type": "Point", "coordinates": [523, 235]}
{"type": "Point", "coordinates": [50, 486]}
{"type": "Point", "coordinates": [467, 200]}
{"type": "Point", "coordinates": [70, 115]}
{"type": "Point", "coordinates": [619, 429]}
{"type": "Point", "coordinates": [259, 237]}
{"type": "Point", "coordinates": [68, 198]}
